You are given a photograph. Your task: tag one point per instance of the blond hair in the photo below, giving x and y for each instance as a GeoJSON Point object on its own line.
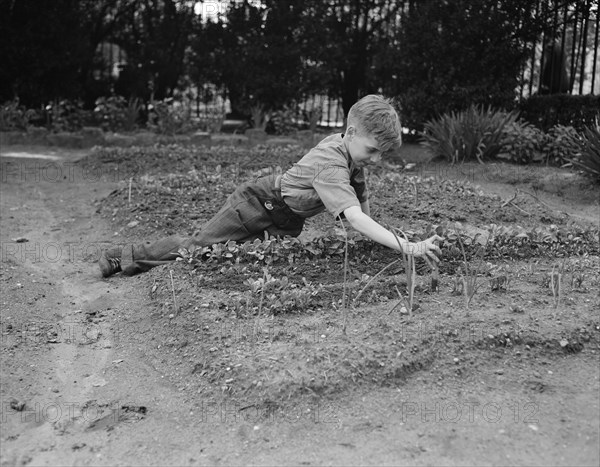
{"type": "Point", "coordinates": [375, 116]}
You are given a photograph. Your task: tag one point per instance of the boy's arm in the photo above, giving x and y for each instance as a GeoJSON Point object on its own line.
{"type": "Point", "coordinates": [376, 232]}
{"type": "Point", "coordinates": [365, 207]}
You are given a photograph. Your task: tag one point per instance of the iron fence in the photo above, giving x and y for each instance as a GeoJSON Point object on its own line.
{"type": "Point", "coordinates": [564, 58]}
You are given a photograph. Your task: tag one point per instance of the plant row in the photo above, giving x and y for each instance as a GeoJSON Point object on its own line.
{"type": "Point", "coordinates": [483, 134]}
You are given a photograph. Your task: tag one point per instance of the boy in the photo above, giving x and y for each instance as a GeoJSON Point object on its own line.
{"type": "Point", "coordinates": [330, 176]}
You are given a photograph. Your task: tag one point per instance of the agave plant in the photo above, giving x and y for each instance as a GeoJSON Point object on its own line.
{"type": "Point", "coordinates": [589, 159]}
{"type": "Point", "coordinates": [475, 133]}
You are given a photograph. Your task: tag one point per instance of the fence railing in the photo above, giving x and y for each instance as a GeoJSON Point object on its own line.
{"type": "Point", "coordinates": [565, 57]}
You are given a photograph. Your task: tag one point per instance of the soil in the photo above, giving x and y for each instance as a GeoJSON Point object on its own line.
{"type": "Point", "coordinates": [194, 364]}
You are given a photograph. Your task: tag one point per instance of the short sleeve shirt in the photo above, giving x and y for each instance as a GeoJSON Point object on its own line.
{"type": "Point", "coordinates": [326, 178]}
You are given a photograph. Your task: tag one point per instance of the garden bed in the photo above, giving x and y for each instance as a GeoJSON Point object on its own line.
{"type": "Point", "coordinates": [274, 324]}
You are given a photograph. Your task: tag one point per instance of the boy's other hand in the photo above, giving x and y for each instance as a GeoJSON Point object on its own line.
{"type": "Point", "coordinates": [427, 248]}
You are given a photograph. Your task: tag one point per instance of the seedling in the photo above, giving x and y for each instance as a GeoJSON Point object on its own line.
{"type": "Point", "coordinates": [409, 270]}
{"type": "Point", "coordinates": [577, 280]}
{"type": "Point", "coordinates": [499, 283]}
{"type": "Point", "coordinates": [469, 273]}
{"type": "Point", "coordinates": [556, 283]}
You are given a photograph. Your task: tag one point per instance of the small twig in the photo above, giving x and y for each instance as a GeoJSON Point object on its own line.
{"type": "Point", "coordinates": [509, 201]}
{"type": "Point", "coordinates": [535, 197]}
{"type": "Point", "coordinates": [522, 210]}
{"type": "Point", "coordinates": [373, 278]}
{"type": "Point", "coordinates": [173, 290]}
{"type": "Point", "coordinates": [399, 302]}
{"type": "Point", "coordinates": [129, 197]}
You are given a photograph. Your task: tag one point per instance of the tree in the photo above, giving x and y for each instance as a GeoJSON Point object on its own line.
{"type": "Point", "coordinates": [41, 50]}
{"type": "Point", "coordinates": [155, 35]}
{"type": "Point", "coordinates": [359, 31]}
{"type": "Point", "coordinates": [450, 55]}
{"type": "Point", "coordinates": [260, 53]}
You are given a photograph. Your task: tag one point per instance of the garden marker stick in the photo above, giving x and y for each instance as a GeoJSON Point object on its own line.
{"type": "Point", "coordinates": [173, 290]}
{"type": "Point", "coordinates": [129, 197]}
{"type": "Point", "coordinates": [344, 310]}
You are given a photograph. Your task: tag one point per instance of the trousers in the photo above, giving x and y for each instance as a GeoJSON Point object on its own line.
{"type": "Point", "coordinates": [253, 208]}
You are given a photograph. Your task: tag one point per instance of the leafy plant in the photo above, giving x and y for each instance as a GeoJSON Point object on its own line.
{"type": "Point", "coordinates": [522, 143]}
{"type": "Point", "coordinates": [589, 158]}
{"type": "Point", "coordinates": [283, 121]}
{"type": "Point", "coordinates": [475, 134]}
{"type": "Point", "coordinates": [116, 113]}
{"type": "Point", "coordinates": [409, 271]}
{"type": "Point", "coordinates": [469, 274]}
{"type": "Point", "coordinates": [14, 116]}
{"type": "Point", "coordinates": [260, 117]}
{"type": "Point", "coordinates": [556, 283]}
{"type": "Point", "coordinates": [170, 116]}
{"type": "Point", "coordinates": [563, 144]}
{"type": "Point", "coordinates": [67, 115]}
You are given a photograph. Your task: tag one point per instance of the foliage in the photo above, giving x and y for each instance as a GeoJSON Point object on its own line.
{"type": "Point", "coordinates": [170, 116]}
{"type": "Point", "coordinates": [259, 116]}
{"type": "Point", "coordinates": [451, 55]}
{"type": "Point", "coordinates": [548, 111]}
{"type": "Point", "coordinates": [115, 113]}
{"type": "Point", "coordinates": [67, 115]}
{"type": "Point", "coordinates": [155, 35]}
{"type": "Point", "coordinates": [522, 143]}
{"type": "Point", "coordinates": [36, 66]}
{"type": "Point", "coordinates": [14, 116]}
{"type": "Point", "coordinates": [562, 144]}
{"type": "Point", "coordinates": [261, 53]}
{"type": "Point", "coordinates": [468, 273]}
{"type": "Point", "coordinates": [475, 134]}
{"type": "Point", "coordinates": [589, 159]}
{"type": "Point", "coordinates": [283, 121]}
{"type": "Point", "coordinates": [409, 271]}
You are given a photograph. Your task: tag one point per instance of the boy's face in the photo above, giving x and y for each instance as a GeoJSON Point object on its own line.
{"type": "Point", "coordinates": [363, 148]}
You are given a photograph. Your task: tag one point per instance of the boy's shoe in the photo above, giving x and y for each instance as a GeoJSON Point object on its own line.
{"type": "Point", "coordinates": [110, 262]}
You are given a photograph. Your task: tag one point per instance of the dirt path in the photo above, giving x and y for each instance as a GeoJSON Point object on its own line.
{"type": "Point", "coordinates": [78, 388]}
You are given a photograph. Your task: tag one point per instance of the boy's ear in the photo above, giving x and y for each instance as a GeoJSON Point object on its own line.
{"type": "Point", "coordinates": [351, 131]}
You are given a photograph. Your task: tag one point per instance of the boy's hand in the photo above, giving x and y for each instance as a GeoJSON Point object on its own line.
{"type": "Point", "coordinates": [426, 249]}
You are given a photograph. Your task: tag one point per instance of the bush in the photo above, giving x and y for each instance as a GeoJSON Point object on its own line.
{"type": "Point", "coordinates": [68, 115]}
{"type": "Point", "coordinates": [283, 121]}
{"type": "Point", "coordinates": [475, 133]}
{"type": "Point", "coordinates": [15, 117]}
{"type": "Point", "coordinates": [546, 112]}
{"type": "Point", "coordinates": [170, 117]}
{"type": "Point", "coordinates": [115, 113]}
{"type": "Point", "coordinates": [522, 143]}
{"type": "Point", "coordinates": [589, 158]}
{"type": "Point", "coordinates": [562, 144]}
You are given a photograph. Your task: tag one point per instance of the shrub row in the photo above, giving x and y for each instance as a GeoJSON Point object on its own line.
{"type": "Point", "coordinates": [546, 112]}
{"type": "Point", "coordinates": [483, 134]}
